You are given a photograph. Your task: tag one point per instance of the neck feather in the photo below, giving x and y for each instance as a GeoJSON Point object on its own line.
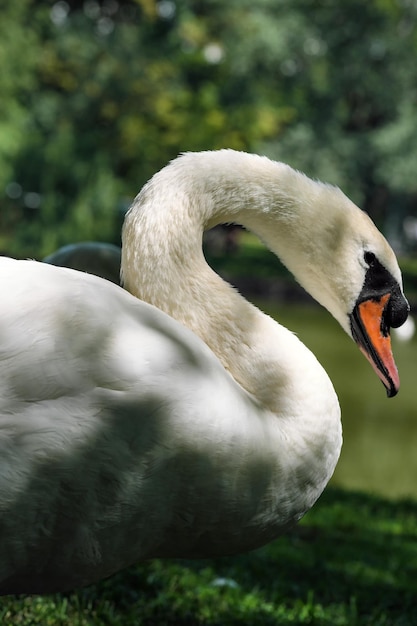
{"type": "Point", "coordinates": [163, 263]}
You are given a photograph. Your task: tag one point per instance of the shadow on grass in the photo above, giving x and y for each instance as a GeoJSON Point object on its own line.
{"type": "Point", "coordinates": [352, 560]}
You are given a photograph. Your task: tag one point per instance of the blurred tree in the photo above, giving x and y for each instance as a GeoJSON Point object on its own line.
{"type": "Point", "coordinates": [117, 90]}
{"type": "Point", "coordinates": [351, 79]}
{"type": "Point", "coordinates": [16, 79]}
{"type": "Point", "coordinates": [98, 95]}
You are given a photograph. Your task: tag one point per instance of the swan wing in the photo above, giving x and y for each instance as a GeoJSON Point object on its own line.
{"type": "Point", "coordinates": [113, 442]}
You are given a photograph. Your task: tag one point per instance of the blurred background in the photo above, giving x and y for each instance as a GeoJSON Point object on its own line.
{"type": "Point", "coordinates": [96, 96]}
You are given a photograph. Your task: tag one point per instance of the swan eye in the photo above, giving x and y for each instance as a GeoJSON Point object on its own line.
{"type": "Point", "coordinates": [369, 258]}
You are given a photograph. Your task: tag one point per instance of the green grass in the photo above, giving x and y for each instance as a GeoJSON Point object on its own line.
{"type": "Point", "coordinates": [351, 561]}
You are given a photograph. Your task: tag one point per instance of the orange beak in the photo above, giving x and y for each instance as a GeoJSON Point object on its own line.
{"type": "Point", "coordinates": [372, 334]}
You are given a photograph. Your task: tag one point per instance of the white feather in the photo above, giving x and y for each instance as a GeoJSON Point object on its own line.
{"type": "Point", "coordinates": [125, 435]}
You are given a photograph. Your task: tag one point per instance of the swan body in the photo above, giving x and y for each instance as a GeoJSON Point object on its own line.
{"type": "Point", "coordinates": [127, 434]}
{"type": "Point", "coordinates": [94, 257]}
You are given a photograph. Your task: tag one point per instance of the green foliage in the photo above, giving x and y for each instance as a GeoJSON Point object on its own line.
{"type": "Point", "coordinates": [352, 561]}
{"type": "Point", "coordinates": [348, 74]}
{"type": "Point", "coordinates": [98, 95]}
{"type": "Point", "coordinates": [16, 78]}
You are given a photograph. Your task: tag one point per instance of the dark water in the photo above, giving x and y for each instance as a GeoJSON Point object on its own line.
{"type": "Point", "coordinates": [379, 453]}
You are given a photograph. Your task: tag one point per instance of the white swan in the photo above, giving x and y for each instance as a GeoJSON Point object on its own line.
{"type": "Point", "coordinates": [94, 257]}
{"type": "Point", "coordinates": [123, 435]}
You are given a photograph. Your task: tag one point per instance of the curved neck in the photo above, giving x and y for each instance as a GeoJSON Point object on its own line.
{"type": "Point", "coordinates": [292, 410]}
{"type": "Point", "coordinates": [163, 263]}
{"type": "Point", "coordinates": [200, 190]}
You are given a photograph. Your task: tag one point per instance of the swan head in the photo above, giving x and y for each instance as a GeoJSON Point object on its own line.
{"type": "Point", "coordinates": [380, 306]}
{"type": "Point", "coordinates": [350, 268]}
{"type": "Point", "coordinates": [339, 256]}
